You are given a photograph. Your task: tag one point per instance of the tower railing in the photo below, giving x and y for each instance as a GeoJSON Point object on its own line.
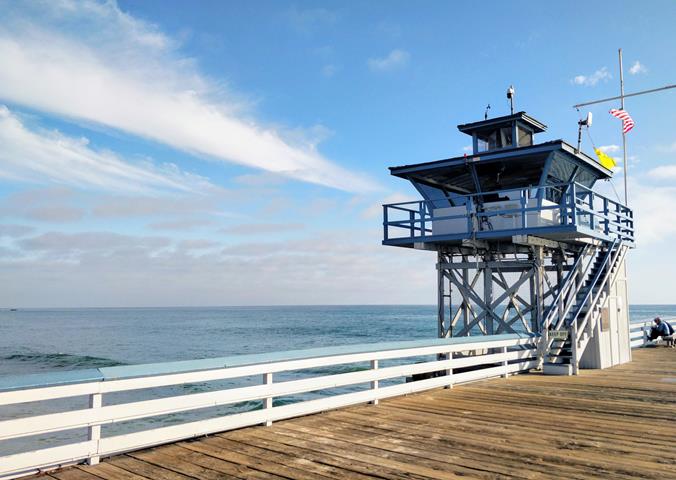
{"type": "Point", "coordinates": [559, 208]}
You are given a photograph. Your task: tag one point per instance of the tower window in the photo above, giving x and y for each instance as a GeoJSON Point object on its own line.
{"type": "Point", "coordinates": [494, 139]}
{"type": "Point", "coordinates": [525, 137]}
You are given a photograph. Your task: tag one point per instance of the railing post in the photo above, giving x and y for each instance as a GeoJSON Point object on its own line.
{"type": "Point", "coordinates": [449, 372]}
{"type": "Point", "coordinates": [374, 383]}
{"type": "Point", "coordinates": [573, 346]}
{"type": "Point", "coordinates": [385, 222]}
{"type": "Point", "coordinates": [94, 434]}
{"type": "Point", "coordinates": [411, 218]}
{"type": "Point", "coordinates": [592, 214]}
{"type": "Point", "coordinates": [606, 216]}
{"type": "Point", "coordinates": [267, 402]}
{"type": "Point", "coordinates": [523, 209]}
{"type": "Point", "coordinates": [505, 364]}
{"type": "Point", "coordinates": [573, 204]}
{"type": "Point", "coordinates": [422, 219]}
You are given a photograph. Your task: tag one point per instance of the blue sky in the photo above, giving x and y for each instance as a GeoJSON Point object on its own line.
{"type": "Point", "coordinates": [158, 153]}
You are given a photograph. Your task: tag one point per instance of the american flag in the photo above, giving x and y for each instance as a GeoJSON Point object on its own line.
{"type": "Point", "coordinates": [627, 122]}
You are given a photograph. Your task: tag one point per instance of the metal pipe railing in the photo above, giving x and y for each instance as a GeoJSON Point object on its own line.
{"type": "Point", "coordinates": [577, 208]}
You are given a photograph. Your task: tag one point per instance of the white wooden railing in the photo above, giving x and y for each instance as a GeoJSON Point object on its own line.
{"type": "Point", "coordinates": [449, 362]}
{"type": "Point", "coordinates": [639, 331]}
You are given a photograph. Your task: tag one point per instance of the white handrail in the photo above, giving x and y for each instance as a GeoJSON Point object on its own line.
{"type": "Point", "coordinates": [517, 352]}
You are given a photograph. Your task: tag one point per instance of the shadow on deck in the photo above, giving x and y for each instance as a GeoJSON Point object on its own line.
{"type": "Point", "coordinates": [616, 423]}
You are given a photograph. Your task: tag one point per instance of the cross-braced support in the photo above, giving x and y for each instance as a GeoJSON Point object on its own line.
{"type": "Point", "coordinates": [497, 290]}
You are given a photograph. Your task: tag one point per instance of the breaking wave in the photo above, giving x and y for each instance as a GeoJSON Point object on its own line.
{"type": "Point", "coordinates": [62, 360]}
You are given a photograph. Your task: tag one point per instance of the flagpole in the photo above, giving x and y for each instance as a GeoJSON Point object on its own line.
{"type": "Point", "coordinates": [624, 135]}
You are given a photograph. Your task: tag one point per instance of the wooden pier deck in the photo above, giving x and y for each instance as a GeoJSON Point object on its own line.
{"type": "Point", "coordinates": [617, 423]}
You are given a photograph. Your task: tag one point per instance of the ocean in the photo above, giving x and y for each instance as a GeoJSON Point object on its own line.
{"type": "Point", "coordinates": [42, 340]}
{"type": "Point", "coordinates": [48, 340]}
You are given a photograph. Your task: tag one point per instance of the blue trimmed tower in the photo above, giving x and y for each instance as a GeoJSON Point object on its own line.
{"type": "Point", "coordinates": [523, 242]}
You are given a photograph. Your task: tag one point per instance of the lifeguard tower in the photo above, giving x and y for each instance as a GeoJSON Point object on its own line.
{"type": "Point", "coordinates": [523, 242]}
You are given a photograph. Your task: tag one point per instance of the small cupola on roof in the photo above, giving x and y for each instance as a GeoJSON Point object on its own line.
{"type": "Point", "coordinates": [511, 131]}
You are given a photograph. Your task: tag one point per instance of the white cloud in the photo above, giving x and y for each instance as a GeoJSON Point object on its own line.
{"type": "Point", "coordinates": [653, 210]}
{"type": "Point", "coordinates": [13, 231]}
{"type": "Point", "coordinates": [182, 224]}
{"type": "Point", "coordinates": [55, 213]}
{"type": "Point", "coordinates": [329, 70]}
{"type": "Point", "coordinates": [667, 148]}
{"type": "Point", "coordinates": [599, 75]}
{"type": "Point", "coordinates": [394, 60]}
{"type": "Point", "coordinates": [637, 68]}
{"type": "Point", "coordinates": [311, 19]}
{"type": "Point", "coordinates": [664, 172]}
{"type": "Point", "coordinates": [375, 210]}
{"type": "Point", "coordinates": [261, 228]}
{"type": "Point", "coordinates": [49, 157]}
{"type": "Point", "coordinates": [90, 61]}
{"type": "Point", "coordinates": [609, 148]}
{"type": "Point", "coordinates": [338, 267]}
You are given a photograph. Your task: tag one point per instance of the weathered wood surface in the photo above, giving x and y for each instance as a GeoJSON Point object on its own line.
{"type": "Point", "coordinates": [617, 423]}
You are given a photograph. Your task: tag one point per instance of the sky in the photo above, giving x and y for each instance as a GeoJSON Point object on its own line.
{"type": "Point", "coordinates": [166, 153]}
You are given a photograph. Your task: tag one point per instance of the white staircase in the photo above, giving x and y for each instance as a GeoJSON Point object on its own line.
{"type": "Point", "coordinates": [573, 318]}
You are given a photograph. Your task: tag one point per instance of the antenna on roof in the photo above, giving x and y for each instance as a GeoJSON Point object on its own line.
{"type": "Point", "coordinates": [510, 97]}
{"type": "Point", "coordinates": [488, 107]}
{"type": "Point", "coordinates": [587, 122]}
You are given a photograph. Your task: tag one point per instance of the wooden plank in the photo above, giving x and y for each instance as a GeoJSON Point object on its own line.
{"type": "Point", "coordinates": [144, 469]}
{"type": "Point", "coordinates": [210, 446]}
{"type": "Point", "coordinates": [296, 461]}
{"type": "Point", "coordinates": [227, 469]}
{"type": "Point", "coordinates": [515, 445]}
{"type": "Point", "coordinates": [181, 464]}
{"type": "Point", "coordinates": [73, 474]}
{"type": "Point", "coordinates": [442, 448]}
{"type": "Point", "coordinates": [360, 465]}
{"type": "Point", "coordinates": [108, 471]}
{"type": "Point", "coordinates": [401, 463]}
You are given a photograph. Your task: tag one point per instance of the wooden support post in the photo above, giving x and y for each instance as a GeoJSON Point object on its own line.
{"type": "Point", "coordinates": [94, 433]}
{"type": "Point", "coordinates": [374, 383]}
{"type": "Point", "coordinates": [559, 282]}
{"type": "Point", "coordinates": [488, 299]}
{"type": "Point", "coordinates": [441, 299]}
{"type": "Point", "coordinates": [465, 301]}
{"type": "Point", "coordinates": [539, 287]}
{"type": "Point", "coordinates": [267, 402]}
{"type": "Point", "coordinates": [385, 221]}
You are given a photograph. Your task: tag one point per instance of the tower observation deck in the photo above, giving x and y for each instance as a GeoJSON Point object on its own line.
{"type": "Point", "coordinates": [524, 243]}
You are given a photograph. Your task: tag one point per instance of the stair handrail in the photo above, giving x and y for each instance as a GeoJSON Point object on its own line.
{"type": "Point", "coordinates": [578, 288]}
{"type": "Point", "coordinates": [591, 319]}
{"type": "Point", "coordinates": [567, 285]}
{"type": "Point", "coordinates": [595, 279]}
{"type": "Point", "coordinates": [621, 250]}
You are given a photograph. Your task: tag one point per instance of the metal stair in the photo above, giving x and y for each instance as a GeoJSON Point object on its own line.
{"type": "Point", "coordinates": [572, 319]}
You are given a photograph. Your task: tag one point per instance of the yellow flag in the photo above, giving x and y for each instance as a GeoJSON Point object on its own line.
{"type": "Point", "coordinates": [606, 160]}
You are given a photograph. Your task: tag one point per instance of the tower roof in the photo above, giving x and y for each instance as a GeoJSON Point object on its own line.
{"type": "Point", "coordinates": [523, 117]}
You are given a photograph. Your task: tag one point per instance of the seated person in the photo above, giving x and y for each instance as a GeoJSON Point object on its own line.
{"type": "Point", "coordinates": [661, 329]}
